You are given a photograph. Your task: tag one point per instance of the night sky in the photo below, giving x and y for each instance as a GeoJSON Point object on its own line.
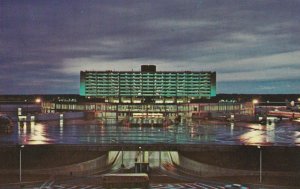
{"type": "Point", "coordinates": [254, 46]}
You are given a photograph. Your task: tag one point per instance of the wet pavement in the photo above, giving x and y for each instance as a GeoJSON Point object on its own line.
{"type": "Point", "coordinates": [285, 133]}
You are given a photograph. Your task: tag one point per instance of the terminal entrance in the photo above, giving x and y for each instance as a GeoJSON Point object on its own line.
{"type": "Point", "coordinates": [144, 161]}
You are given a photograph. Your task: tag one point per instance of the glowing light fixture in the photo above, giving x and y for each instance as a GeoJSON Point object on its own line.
{"type": "Point", "coordinates": [38, 100]}
{"type": "Point", "coordinates": [292, 103]}
{"type": "Point", "coordinates": [254, 101]}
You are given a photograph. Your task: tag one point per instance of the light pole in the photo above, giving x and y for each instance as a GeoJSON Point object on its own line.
{"type": "Point", "coordinates": [20, 151]}
{"type": "Point", "coordinates": [260, 163]}
{"type": "Point", "coordinates": [140, 152]}
{"type": "Point", "coordinates": [254, 102]}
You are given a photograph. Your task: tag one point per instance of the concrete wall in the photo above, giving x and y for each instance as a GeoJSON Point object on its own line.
{"type": "Point", "coordinates": [204, 170]}
{"type": "Point", "coordinates": [102, 163]}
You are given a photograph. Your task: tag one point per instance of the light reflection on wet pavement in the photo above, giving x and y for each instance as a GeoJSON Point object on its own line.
{"type": "Point", "coordinates": [202, 132]}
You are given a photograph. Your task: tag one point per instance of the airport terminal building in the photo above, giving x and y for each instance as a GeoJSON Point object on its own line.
{"type": "Point", "coordinates": [147, 85]}
{"type": "Point", "coordinates": [146, 96]}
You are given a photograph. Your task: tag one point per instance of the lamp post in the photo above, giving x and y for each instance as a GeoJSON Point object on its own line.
{"type": "Point", "coordinates": [254, 102]}
{"type": "Point", "coordinates": [38, 100]}
{"type": "Point", "coordinates": [260, 163]}
{"type": "Point", "coordinates": [20, 151]}
{"type": "Point", "coordinates": [140, 152]}
{"type": "Point", "coordinates": [139, 161]}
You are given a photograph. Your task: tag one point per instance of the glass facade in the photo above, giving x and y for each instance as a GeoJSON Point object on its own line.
{"type": "Point", "coordinates": [121, 111]}
{"type": "Point", "coordinates": [148, 84]}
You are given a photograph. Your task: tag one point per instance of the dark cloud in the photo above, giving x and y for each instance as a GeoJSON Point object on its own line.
{"type": "Point", "coordinates": [44, 44]}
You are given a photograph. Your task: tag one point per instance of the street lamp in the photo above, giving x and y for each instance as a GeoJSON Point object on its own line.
{"type": "Point", "coordinates": [20, 151]}
{"type": "Point", "coordinates": [38, 100]}
{"type": "Point", "coordinates": [254, 102]}
{"type": "Point", "coordinates": [260, 163]}
{"type": "Point", "coordinates": [140, 149]}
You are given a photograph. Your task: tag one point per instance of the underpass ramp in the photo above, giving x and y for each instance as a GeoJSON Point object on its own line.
{"type": "Point", "coordinates": [154, 158]}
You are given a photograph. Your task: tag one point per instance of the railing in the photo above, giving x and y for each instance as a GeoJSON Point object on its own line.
{"type": "Point", "coordinates": [286, 114]}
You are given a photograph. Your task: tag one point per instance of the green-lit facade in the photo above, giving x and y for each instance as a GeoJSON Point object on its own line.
{"type": "Point", "coordinates": [147, 84]}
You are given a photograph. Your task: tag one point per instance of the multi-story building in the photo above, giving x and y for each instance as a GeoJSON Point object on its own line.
{"type": "Point", "coordinates": [148, 85]}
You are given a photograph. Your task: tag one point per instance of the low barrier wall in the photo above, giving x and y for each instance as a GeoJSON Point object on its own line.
{"type": "Point", "coordinates": [99, 164]}
{"type": "Point", "coordinates": [204, 170]}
